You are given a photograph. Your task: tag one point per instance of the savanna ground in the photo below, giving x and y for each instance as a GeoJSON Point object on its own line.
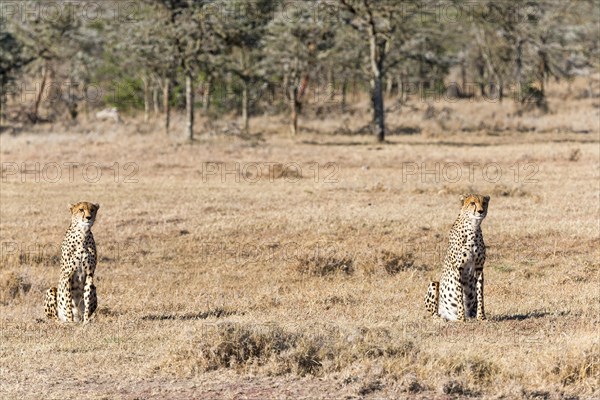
{"type": "Point", "coordinates": [307, 280]}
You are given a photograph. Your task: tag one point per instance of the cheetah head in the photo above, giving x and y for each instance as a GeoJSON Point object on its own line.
{"type": "Point", "coordinates": [83, 214]}
{"type": "Point", "coordinates": [474, 206]}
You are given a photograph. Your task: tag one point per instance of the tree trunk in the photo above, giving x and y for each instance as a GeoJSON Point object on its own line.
{"type": "Point", "coordinates": [189, 106]}
{"type": "Point", "coordinates": [245, 119]}
{"type": "Point", "coordinates": [166, 104]}
{"type": "Point", "coordinates": [330, 84]}
{"type": "Point", "coordinates": [155, 101]}
{"type": "Point", "coordinates": [286, 86]}
{"type": "Point", "coordinates": [344, 94]}
{"type": "Point", "coordinates": [483, 61]}
{"type": "Point", "coordinates": [2, 101]}
{"type": "Point", "coordinates": [378, 110]}
{"type": "Point", "coordinates": [244, 67]}
{"type": "Point", "coordinates": [146, 82]}
{"type": "Point", "coordinates": [272, 94]}
{"type": "Point", "coordinates": [402, 87]}
{"type": "Point", "coordinates": [519, 68]}
{"type": "Point", "coordinates": [377, 54]}
{"type": "Point", "coordinates": [463, 77]}
{"type": "Point", "coordinates": [294, 92]}
{"type": "Point", "coordinates": [228, 87]}
{"type": "Point", "coordinates": [542, 73]}
{"type": "Point", "coordinates": [38, 99]}
{"type": "Point", "coordinates": [500, 91]}
{"type": "Point", "coordinates": [481, 74]}
{"type": "Point", "coordinates": [206, 93]}
{"type": "Point", "coordinates": [544, 67]}
{"type": "Point", "coordinates": [294, 110]}
{"type": "Point", "coordinates": [86, 107]}
{"type": "Point", "coordinates": [389, 86]}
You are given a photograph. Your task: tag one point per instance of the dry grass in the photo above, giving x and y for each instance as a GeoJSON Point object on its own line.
{"type": "Point", "coordinates": [325, 265]}
{"type": "Point", "coordinates": [12, 285]}
{"type": "Point", "coordinates": [307, 285]}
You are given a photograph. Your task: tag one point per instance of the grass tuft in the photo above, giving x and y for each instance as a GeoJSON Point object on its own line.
{"type": "Point", "coordinates": [12, 285]}
{"type": "Point", "coordinates": [318, 265]}
{"type": "Point", "coordinates": [580, 368]}
{"type": "Point", "coordinates": [393, 263]}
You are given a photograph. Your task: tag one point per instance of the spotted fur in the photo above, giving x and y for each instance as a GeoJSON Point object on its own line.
{"type": "Point", "coordinates": [75, 298]}
{"type": "Point", "coordinates": [459, 294]}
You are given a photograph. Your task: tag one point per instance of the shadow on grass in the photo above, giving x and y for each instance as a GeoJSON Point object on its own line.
{"type": "Point", "coordinates": [217, 313]}
{"type": "Point", "coordinates": [340, 143]}
{"type": "Point", "coordinates": [531, 315]}
{"type": "Point", "coordinates": [107, 312]}
{"type": "Point", "coordinates": [388, 142]}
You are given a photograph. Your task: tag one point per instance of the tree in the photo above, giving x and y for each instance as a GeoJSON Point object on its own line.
{"type": "Point", "coordinates": [294, 43]}
{"type": "Point", "coordinates": [152, 45]}
{"type": "Point", "coordinates": [528, 44]}
{"type": "Point", "coordinates": [393, 38]}
{"type": "Point", "coordinates": [240, 32]}
{"type": "Point", "coordinates": [375, 21]}
{"type": "Point", "coordinates": [174, 44]}
{"type": "Point", "coordinates": [345, 64]}
{"type": "Point", "coordinates": [62, 48]}
{"type": "Point", "coordinates": [48, 40]}
{"type": "Point", "coordinates": [12, 61]}
{"type": "Point", "coordinates": [191, 42]}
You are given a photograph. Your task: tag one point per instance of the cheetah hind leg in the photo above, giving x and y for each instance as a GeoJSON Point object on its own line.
{"type": "Point", "coordinates": [50, 304]}
{"type": "Point", "coordinates": [432, 298]}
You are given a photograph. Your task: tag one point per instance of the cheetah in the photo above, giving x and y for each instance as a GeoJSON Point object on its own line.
{"type": "Point", "coordinates": [75, 298]}
{"type": "Point", "coordinates": [459, 294]}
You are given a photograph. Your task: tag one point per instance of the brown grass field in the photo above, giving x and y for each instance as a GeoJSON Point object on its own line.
{"type": "Point", "coordinates": [306, 280]}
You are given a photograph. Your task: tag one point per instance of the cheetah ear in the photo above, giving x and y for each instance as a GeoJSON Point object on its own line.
{"type": "Point", "coordinates": [463, 197]}
{"type": "Point", "coordinates": [486, 198]}
{"type": "Point", "coordinates": [71, 206]}
{"type": "Point", "coordinates": [97, 206]}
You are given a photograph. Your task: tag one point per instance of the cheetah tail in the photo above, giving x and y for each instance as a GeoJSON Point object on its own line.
{"type": "Point", "coordinates": [432, 298]}
{"type": "Point", "coordinates": [50, 304]}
